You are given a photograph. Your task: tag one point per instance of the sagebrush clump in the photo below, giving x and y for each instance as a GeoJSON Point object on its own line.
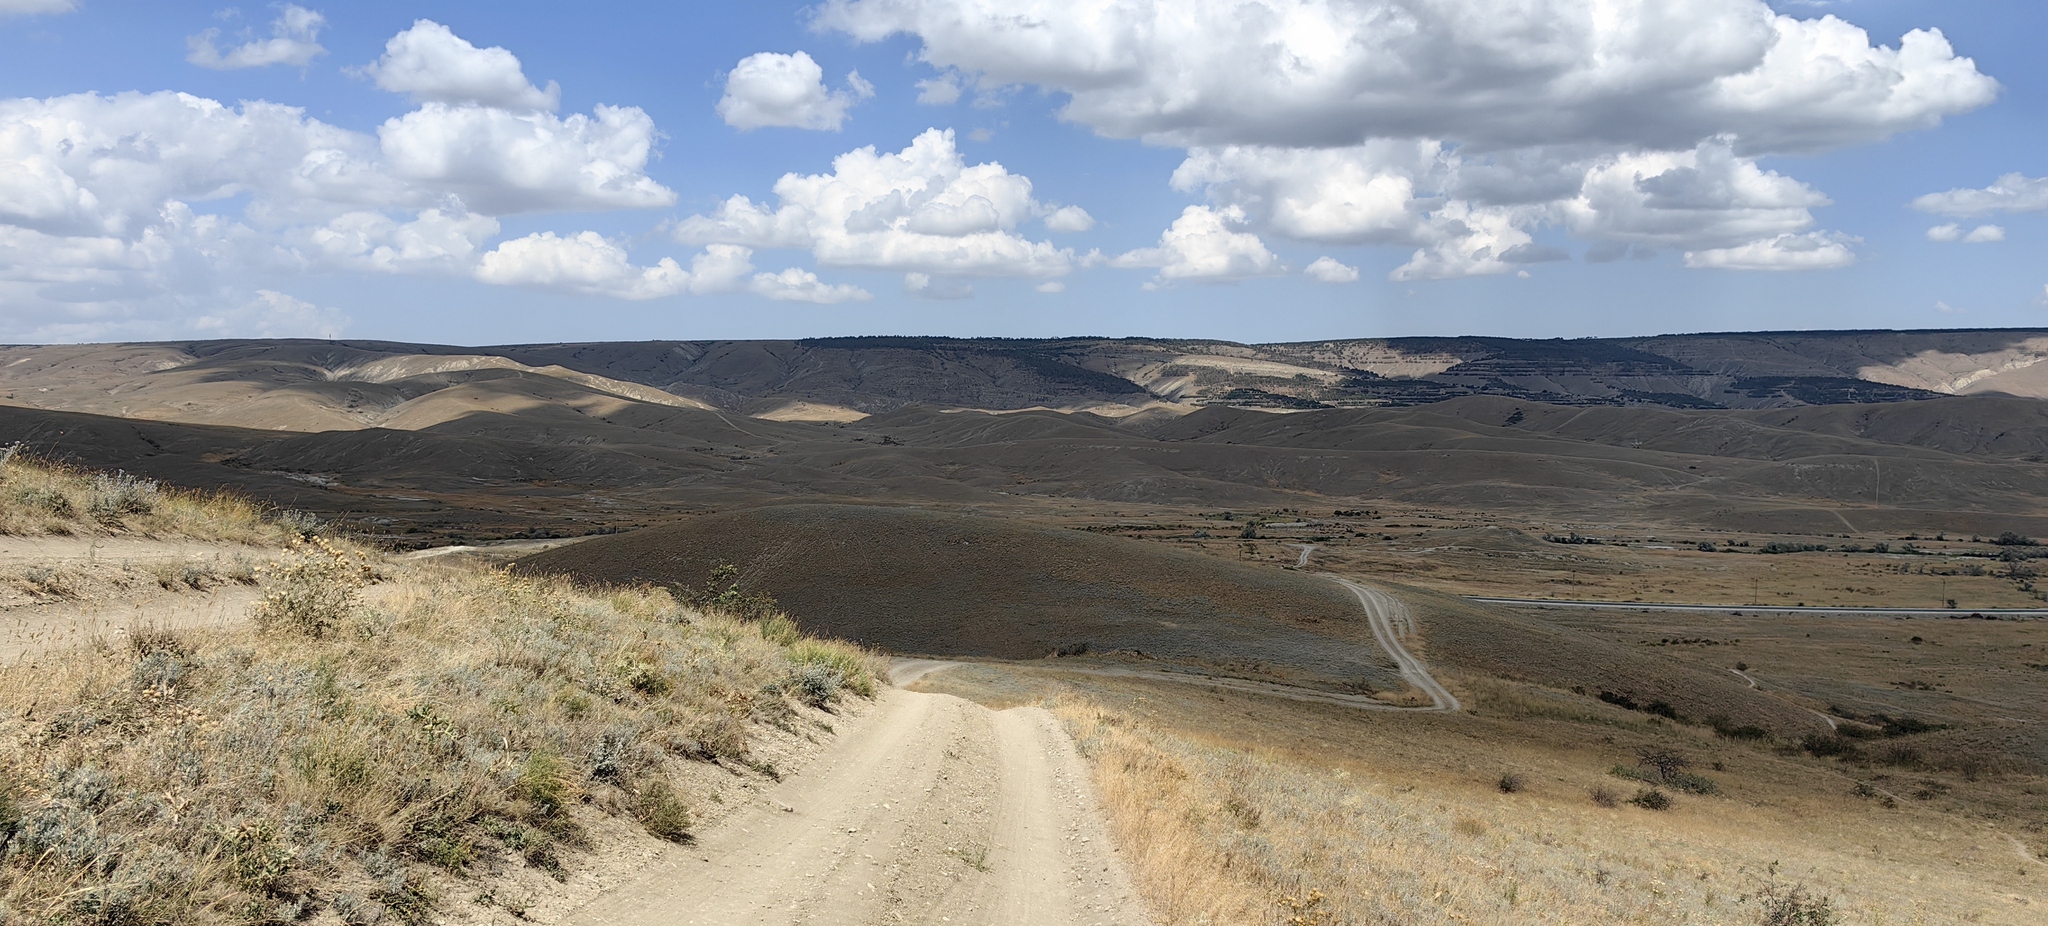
{"type": "Point", "coordinates": [313, 586]}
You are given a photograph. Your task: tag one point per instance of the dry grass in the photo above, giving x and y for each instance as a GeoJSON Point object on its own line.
{"type": "Point", "coordinates": [1217, 832]}
{"type": "Point", "coordinates": [40, 498]}
{"type": "Point", "coordinates": [1402, 820]}
{"type": "Point", "coordinates": [461, 725]}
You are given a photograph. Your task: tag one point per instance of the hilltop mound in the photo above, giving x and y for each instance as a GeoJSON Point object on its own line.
{"type": "Point", "coordinates": [928, 582]}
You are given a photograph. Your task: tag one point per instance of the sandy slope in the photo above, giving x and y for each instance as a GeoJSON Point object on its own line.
{"type": "Point", "coordinates": [931, 810]}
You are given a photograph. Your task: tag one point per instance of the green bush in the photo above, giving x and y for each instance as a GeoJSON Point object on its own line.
{"type": "Point", "coordinates": [1652, 799]}
{"type": "Point", "coordinates": [1693, 784]}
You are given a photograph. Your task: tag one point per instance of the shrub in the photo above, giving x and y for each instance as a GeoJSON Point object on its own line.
{"type": "Point", "coordinates": [1793, 906]}
{"type": "Point", "coordinates": [663, 812]}
{"type": "Point", "coordinates": [46, 500]}
{"type": "Point", "coordinates": [544, 781]}
{"type": "Point", "coordinates": [850, 664]}
{"type": "Point", "coordinates": [817, 684]}
{"type": "Point", "coordinates": [1693, 784]}
{"type": "Point", "coordinates": [1652, 799]}
{"type": "Point", "coordinates": [722, 594]}
{"type": "Point", "coordinates": [114, 496]}
{"type": "Point", "coordinates": [717, 735]}
{"type": "Point", "coordinates": [314, 585]}
{"type": "Point", "coordinates": [1512, 783]}
{"type": "Point", "coordinates": [299, 524]}
{"type": "Point", "coordinates": [1664, 762]}
{"type": "Point", "coordinates": [1603, 797]}
{"type": "Point", "coordinates": [1830, 745]}
{"type": "Point", "coordinates": [1635, 773]}
{"type": "Point", "coordinates": [1723, 727]}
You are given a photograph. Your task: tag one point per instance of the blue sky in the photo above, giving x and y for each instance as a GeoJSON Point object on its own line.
{"type": "Point", "coordinates": [474, 173]}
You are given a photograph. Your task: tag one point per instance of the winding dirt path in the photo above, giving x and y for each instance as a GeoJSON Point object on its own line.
{"type": "Point", "coordinates": [1390, 623]}
{"type": "Point", "coordinates": [932, 810]}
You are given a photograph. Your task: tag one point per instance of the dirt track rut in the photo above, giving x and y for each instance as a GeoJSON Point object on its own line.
{"type": "Point", "coordinates": [1391, 622]}
{"type": "Point", "coordinates": [931, 810]}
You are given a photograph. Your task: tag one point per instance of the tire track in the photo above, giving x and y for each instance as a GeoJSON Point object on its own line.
{"type": "Point", "coordinates": [1390, 623]}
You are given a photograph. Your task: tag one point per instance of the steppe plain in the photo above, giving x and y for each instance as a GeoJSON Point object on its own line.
{"type": "Point", "coordinates": [1137, 541]}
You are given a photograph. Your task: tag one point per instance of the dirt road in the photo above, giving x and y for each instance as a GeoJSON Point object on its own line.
{"type": "Point", "coordinates": [1390, 623]}
{"type": "Point", "coordinates": [932, 810]}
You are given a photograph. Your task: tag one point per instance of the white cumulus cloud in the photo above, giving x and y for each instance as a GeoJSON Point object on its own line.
{"type": "Point", "coordinates": [798, 285]}
{"type": "Point", "coordinates": [1323, 73]}
{"type": "Point", "coordinates": [591, 264]}
{"type": "Point", "coordinates": [503, 161]}
{"type": "Point", "coordinates": [1982, 234]}
{"type": "Point", "coordinates": [1205, 245]}
{"type": "Point", "coordinates": [1477, 214]}
{"type": "Point", "coordinates": [35, 7]}
{"type": "Point", "coordinates": [584, 263]}
{"type": "Point", "coordinates": [943, 90]}
{"type": "Point", "coordinates": [1070, 219]}
{"type": "Point", "coordinates": [1459, 126]}
{"type": "Point", "coordinates": [1810, 251]}
{"type": "Point", "coordinates": [1330, 270]}
{"type": "Point", "coordinates": [434, 65]}
{"type": "Point", "coordinates": [294, 40]}
{"type": "Point", "coordinates": [770, 89]}
{"type": "Point", "coordinates": [119, 212]}
{"type": "Point", "coordinates": [435, 241]}
{"type": "Point", "coordinates": [922, 210]}
{"type": "Point", "coordinates": [2012, 193]}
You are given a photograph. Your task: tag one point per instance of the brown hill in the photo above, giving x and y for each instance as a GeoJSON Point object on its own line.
{"type": "Point", "coordinates": [947, 584]}
{"type": "Point", "coordinates": [324, 385]}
